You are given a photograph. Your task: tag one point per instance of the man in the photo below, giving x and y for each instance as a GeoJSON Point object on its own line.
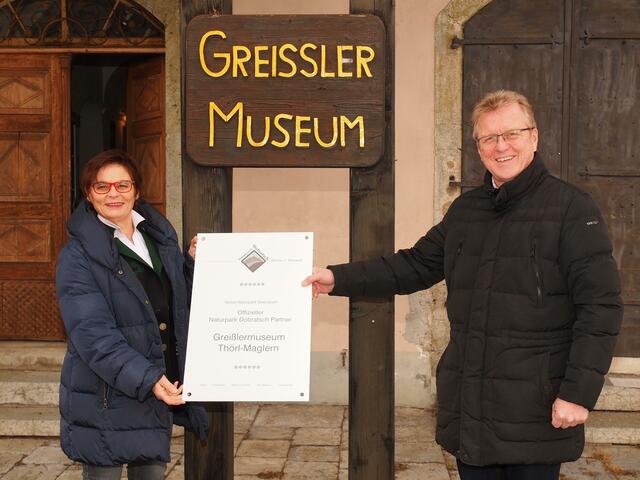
{"type": "Point", "coordinates": [533, 303]}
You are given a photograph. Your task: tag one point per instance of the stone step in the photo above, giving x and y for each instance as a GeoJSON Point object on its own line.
{"type": "Point", "coordinates": [620, 393]}
{"type": "Point", "coordinates": [29, 387]}
{"type": "Point", "coordinates": [43, 421]}
{"type": "Point", "coordinates": [32, 355]}
{"type": "Point", "coordinates": [21, 421]}
{"type": "Point", "coordinates": [613, 427]}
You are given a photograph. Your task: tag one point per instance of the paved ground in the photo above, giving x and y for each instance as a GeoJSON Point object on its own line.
{"type": "Point", "coordinates": [310, 442]}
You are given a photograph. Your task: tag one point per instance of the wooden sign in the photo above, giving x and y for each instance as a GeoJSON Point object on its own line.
{"type": "Point", "coordinates": [285, 90]}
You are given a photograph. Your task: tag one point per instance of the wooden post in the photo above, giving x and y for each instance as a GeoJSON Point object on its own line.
{"type": "Point", "coordinates": [371, 322]}
{"type": "Point", "coordinates": [206, 200]}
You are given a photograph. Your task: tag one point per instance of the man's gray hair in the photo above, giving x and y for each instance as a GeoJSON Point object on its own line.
{"type": "Point", "coordinates": [500, 98]}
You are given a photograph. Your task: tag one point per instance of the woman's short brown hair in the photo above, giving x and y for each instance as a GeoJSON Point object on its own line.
{"type": "Point", "coordinates": [108, 157]}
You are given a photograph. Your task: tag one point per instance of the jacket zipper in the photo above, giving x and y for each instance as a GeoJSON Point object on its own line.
{"type": "Point", "coordinates": [105, 395]}
{"type": "Point", "coordinates": [455, 261]}
{"type": "Point", "coordinates": [536, 270]}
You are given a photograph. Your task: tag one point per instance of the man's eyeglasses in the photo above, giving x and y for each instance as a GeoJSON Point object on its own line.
{"type": "Point", "coordinates": [123, 186]}
{"type": "Point", "coordinates": [509, 136]}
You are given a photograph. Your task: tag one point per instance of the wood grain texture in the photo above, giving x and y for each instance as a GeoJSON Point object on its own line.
{"type": "Point", "coordinates": [146, 127]}
{"type": "Point", "coordinates": [371, 322]}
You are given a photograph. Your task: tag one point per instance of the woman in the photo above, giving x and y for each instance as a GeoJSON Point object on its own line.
{"type": "Point", "coordinates": [123, 288]}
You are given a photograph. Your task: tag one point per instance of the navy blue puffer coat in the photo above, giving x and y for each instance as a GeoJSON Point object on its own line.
{"type": "Point", "coordinates": [114, 352]}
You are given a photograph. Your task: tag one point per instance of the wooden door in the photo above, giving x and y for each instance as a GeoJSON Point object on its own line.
{"type": "Point", "coordinates": [605, 144]}
{"type": "Point", "coordinates": [578, 61]}
{"type": "Point", "coordinates": [145, 127]}
{"type": "Point", "coordinates": [34, 191]}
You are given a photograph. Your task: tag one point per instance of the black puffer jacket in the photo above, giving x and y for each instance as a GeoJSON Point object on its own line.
{"type": "Point", "coordinates": [534, 309]}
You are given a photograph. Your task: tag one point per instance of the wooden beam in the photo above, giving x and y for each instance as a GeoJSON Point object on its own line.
{"type": "Point", "coordinates": [206, 200]}
{"type": "Point", "coordinates": [371, 322]}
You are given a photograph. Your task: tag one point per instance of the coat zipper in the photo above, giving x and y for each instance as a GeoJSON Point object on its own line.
{"type": "Point", "coordinates": [536, 270]}
{"type": "Point", "coordinates": [105, 395]}
{"type": "Point", "coordinates": [455, 261]}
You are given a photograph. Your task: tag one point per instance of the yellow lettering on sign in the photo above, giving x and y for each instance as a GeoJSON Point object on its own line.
{"type": "Point", "coordinates": [285, 133]}
{"type": "Point", "coordinates": [300, 131]}
{"type": "Point", "coordinates": [239, 61]}
{"type": "Point", "coordinates": [341, 59]}
{"type": "Point", "coordinates": [300, 124]}
{"type": "Point", "coordinates": [268, 60]}
{"type": "Point", "coordinates": [316, 133]}
{"type": "Point", "coordinates": [258, 62]}
{"type": "Point", "coordinates": [274, 60]}
{"type": "Point", "coordinates": [362, 60]}
{"type": "Point", "coordinates": [307, 58]}
{"type": "Point", "coordinates": [224, 56]}
{"type": "Point", "coordinates": [284, 58]}
{"type": "Point", "coordinates": [265, 138]}
{"type": "Point", "coordinates": [323, 63]}
{"type": "Point", "coordinates": [345, 122]}
{"type": "Point", "coordinates": [213, 109]}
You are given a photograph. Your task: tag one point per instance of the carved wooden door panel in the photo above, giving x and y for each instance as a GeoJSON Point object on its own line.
{"type": "Point", "coordinates": [34, 191]}
{"type": "Point", "coordinates": [145, 127]}
{"type": "Point", "coordinates": [578, 62]}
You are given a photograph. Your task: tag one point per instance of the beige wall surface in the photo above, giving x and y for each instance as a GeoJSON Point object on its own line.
{"type": "Point", "coordinates": [414, 186]}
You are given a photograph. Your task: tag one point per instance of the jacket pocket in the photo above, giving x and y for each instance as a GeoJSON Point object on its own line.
{"type": "Point", "coordinates": [545, 380]}
{"type": "Point", "coordinates": [537, 272]}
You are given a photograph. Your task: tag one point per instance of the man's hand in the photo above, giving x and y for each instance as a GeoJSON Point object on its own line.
{"type": "Point", "coordinates": [168, 392]}
{"type": "Point", "coordinates": [192, 247]}
{"type": "Point", "coordinates": [322, 281]}
{"type": "Point", "coordinates": [566, 414]}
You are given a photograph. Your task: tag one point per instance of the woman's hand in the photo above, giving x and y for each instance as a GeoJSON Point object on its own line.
{"type": "Point", "coordinates": [322, 280]}
{"type": "Point", "coordinates": [192, 247]}
{"type": "Point", "coordinates": [168, 392]}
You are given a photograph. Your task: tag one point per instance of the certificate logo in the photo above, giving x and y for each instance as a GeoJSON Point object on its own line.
{"type": "Point", "coordinates": [253, 260]}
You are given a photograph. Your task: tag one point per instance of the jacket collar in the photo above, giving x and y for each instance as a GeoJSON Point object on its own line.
{"type": "Point", "coordinates": [97, 239]}
{"type": "Point", "coordinates": [510, 192]}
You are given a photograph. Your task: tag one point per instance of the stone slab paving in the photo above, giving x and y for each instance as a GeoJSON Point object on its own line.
{"type": "Point", "coordinates": [310, 442]}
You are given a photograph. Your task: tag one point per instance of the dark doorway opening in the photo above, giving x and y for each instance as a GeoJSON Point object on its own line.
{"type": "Point", "coordinates": [98, 108]}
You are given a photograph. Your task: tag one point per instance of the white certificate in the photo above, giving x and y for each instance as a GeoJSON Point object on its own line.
{"type": "Point", "coordinates": [250, 325]}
